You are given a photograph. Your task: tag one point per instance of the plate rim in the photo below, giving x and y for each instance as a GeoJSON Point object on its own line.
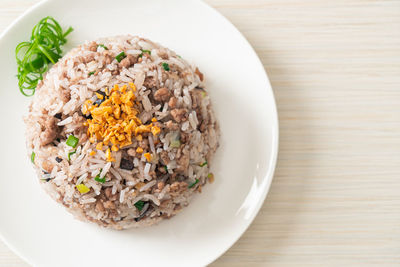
{"type": "Point", "coordinates": [275, 133]}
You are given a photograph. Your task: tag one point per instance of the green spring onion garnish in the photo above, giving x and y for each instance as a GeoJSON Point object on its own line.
{"type": "Point", "coordinates": [190, 186]}
{"type": "Point", "coordinates": [70, 154]}
{"type": "Point", "coordinates": [204, 164]}
{"type": "Point", "coordinates": [98, 179]}
{"type": "Point", "coordinates": [72, 141]}
{"type": "Point", "coordinates": [139, 205]}
{"type": "Point", "coordinates": [33, 57]}
{"type": "Point", "coordinates": [144, 51]}
{"type": "Point", "coordinates": [105, 47]}
{"type": "Point", "coordinates": [165, 66]}
{"type": "Point", "coordinates": [91, 73]}
{"type": "Point", "coordinates": [33, 157]}
{"type": "Point", "coordinates": [120, 56]}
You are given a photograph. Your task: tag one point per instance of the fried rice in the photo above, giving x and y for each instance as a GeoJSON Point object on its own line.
{"type": "Point", "coordinates": [121, 132]}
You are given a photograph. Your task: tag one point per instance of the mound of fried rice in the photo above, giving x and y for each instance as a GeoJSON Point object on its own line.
{"type": "Point", "coordinates": [121, 132]}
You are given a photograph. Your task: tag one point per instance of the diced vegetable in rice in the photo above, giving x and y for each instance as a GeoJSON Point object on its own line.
{"type": "Point", "coordinates": [121, 132]}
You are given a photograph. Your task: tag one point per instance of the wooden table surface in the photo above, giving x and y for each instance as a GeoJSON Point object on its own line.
{"type": "Point", "coordinates": [335, 70]}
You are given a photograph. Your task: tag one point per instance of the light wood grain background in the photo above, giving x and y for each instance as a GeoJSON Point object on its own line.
{"type": "Point", "coordinates": [335, 69]}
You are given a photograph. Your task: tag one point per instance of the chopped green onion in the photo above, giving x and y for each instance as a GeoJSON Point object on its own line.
{"type": "Point", "coordinates": [179, 56]}
{"type": "Point", "coordinates": [204, 164]}
{"type": "Point", "coordinates": [91, 73]}
{"type": "Point", "coordinates": [72, 141]}
{"type": "Point", "coordinates": [175, 143]}
{"type": "Point", "coordinates": [144, 51]}
{"type": "Point", "coordinates": [190, 186]}
{"type": "Point", "coordinates": [105, 47]}
{"type": "Point", "coordinates": [83, 189]}
{"type": "Point", "coordinates": [34, 56]}
{"type": "Point", "coordinates": [70, 154]}
{"type": "Point", "coordinates": [120, 56]}
{"type": "Point", "coordinates": [33, 157]}
{"type": "Point", "coordinates": [139, 205]}
{"type": "Point", "coordinates": [166, 168]}
{"type": "Point", "coordinates": [98, 179]}
{"type": "Point", "coordinates": [165, 66]}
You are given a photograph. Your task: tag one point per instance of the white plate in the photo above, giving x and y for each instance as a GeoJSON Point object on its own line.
{"type": "Point", "coordinates": [44, 234]}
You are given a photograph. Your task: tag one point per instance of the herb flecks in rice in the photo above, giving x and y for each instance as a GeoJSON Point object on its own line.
{"type": "Point", "coordinates": [140, 127]}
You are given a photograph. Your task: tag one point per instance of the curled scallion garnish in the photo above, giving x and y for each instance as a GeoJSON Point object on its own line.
{"type": "Point", "coordinates": [34, 57]}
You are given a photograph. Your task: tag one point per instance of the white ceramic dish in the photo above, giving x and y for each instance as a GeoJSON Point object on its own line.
{"type": "Point", "coordinates": [44, 234]}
